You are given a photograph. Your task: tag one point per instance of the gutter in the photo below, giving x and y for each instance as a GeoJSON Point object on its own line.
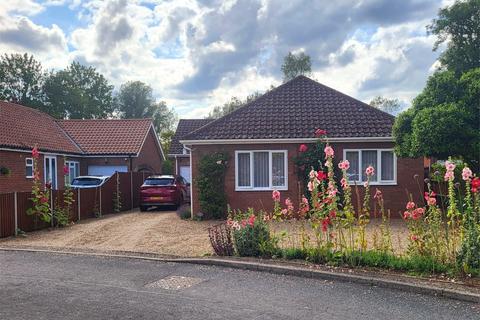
{"type": "Point", "coordinates": [284, 140]}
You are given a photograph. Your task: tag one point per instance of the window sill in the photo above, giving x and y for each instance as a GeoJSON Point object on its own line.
{"type": "Point", "coordinates": [359, 183]}
{"type": "Point", "coordinates": [262, 189]}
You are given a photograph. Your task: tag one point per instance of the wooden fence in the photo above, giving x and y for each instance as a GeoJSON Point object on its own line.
{"type": "Point", "coordinates": [88, 203]}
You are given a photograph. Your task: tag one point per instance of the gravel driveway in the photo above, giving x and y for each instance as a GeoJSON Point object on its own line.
{"type": "Point", "coordinates": [161, 232]}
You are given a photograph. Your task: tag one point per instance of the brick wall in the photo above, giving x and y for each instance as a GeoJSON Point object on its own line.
{"type": "Point", "coordinates": [150, 157]}
{"type": "Point", "coordinates": [395, 195]}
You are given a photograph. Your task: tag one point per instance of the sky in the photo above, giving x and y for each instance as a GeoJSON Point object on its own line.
{"type": "Point", "coordinates": [197, 54]}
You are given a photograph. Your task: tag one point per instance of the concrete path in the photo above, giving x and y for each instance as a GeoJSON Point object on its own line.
{"type": "Point", "coordinates": [54, 286]}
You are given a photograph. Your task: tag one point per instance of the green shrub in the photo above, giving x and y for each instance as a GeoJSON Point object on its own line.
{"type": "Point", "coordinates": [184, 212]}
{"type": "Point", "coordinates": [250, 240]}
{"type": "Point", "coordinates": [211, 186]}
{"type": "Point", "coordinates": [167, 166]}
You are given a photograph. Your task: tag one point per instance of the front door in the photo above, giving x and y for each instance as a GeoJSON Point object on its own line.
{"type": "Point", "coordinates": [50, 171]}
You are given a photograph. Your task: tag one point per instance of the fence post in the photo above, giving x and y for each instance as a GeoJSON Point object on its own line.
{"type": "Point", "coordinates": [78, 203]}
{"type": "Point", "coordinates": [51, 207]}
{"type": "Point", "coordinates": [131, 190]}
{"type": "Point", "coordinates": [100, 209]}
{"type": "Point", "coordinates": [16, 213]}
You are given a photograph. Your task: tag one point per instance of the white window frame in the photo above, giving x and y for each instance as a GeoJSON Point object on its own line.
{"type": "Point", "coordinates": [378, 167]}
{"type": "Point", "coordinates": [29, 165]}
{"type": "Point", "coordinates": [70, 163]}
{"type": "Point", "coordinates": [270, 187]}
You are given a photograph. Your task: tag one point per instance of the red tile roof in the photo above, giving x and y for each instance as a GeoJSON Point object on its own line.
{"type": "Point", "coordinates": [112, 137]}
{"type": "Point", "coordinates": [23, 128]}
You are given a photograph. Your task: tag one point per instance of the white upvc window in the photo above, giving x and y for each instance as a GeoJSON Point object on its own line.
{"type": "Point", "coordinates": [28, 167]}
{"type": "Point", "coordinates": [261, 170]}
{"type": "Point", "coordinates": [73, 171]}
{"type": "Point", "coordinates": [383, 160]}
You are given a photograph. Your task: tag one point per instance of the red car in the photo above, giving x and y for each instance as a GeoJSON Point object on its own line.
{"type": "Point", "coordinates": [163, 190]}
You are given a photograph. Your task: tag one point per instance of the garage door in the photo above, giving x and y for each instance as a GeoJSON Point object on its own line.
{"type": "Point", "coordinates": [185, 172]}
{"type": "Point", "coordinates": [105, 170]}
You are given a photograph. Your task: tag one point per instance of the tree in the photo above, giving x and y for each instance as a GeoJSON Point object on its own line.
{"type": "Point", "coordinates": [135, 100]}
{"type": "Point", "coordinates": [295, 65]}
{"type": "Point", "coordinates": [79, 92]}
{"type": "Point", "coordinates": [21, 79]}
{"type": "Point", "coordinates": [443, 120]}
{"type": "Point", "coordinates": [391, 106]}
{"type": "Point", "coordinates": [232, 105]}
{"type": "Point", "coordinates": [459, 25]}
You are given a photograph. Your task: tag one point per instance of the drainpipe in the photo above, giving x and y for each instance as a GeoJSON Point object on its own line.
{"type": "Point", "coordinates": [131, 163]}
{"type": "Point", "coordinates": [191, 180]}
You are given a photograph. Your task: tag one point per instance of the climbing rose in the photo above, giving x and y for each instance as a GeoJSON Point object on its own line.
{"type": "Point", "coordinates": [320, 132]}
{"type": "Point", "coordinates": [329, 152]}
{"type": "Point", "coordinates": [344, 165]}
{"type": "Point", "coordinates": [466, 174]}
{"type": "Point", "coordinates": [35, 153]}
{"type": "Point", "coordinates": [276, 195]}
{"type": "Point", "coordinates": [303, 148]}
{"type": "Point", "coordinates": [370, 171]}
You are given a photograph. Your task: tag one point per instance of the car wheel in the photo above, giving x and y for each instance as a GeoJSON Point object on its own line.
{"type": "Point", "coordinates": [143, 208]}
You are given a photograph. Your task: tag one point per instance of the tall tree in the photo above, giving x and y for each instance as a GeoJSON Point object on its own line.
{"type": "Point", "coordinates": [79, 92]}
{"type": "Point", "coordinates": [295, 65]}
{"type": "Point", "coordinates": [459, 26]}
{"type": "Point", "coordinates": [232, 105]}
{"type": "Point", "coordinates": [391, 106]}
{"type": "Point", "coordinates": [135, 100]}
{"type": "Point", "coordinates": [444, 119]}
{"type": "Point", "coordinates": [21, 80]}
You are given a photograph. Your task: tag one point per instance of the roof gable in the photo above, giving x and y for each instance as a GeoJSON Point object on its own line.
{"type": "Point", "coordinates": [184, 127]}
{"type": "Point", "coordinates": [108, 136]}
{"type": "Point", "coordinates": [24, 128]}
{"type": "Point", "coordinates": [295, 110]}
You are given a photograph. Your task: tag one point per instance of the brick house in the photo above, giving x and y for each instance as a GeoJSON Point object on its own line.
{"type": "Point", "coordinates": [179, 155]}
{"type": "Point", "coordinates": [262, 138]}
{"type": "Point", "coordinates": [87, 147]}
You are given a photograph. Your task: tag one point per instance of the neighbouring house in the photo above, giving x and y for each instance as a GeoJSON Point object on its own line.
{"type": "Point", "coordinates": [262, 138]}
{"type": "Point", "coordinates": [87, 147]}
{"type": "Point", "coordinates": [180, 155]}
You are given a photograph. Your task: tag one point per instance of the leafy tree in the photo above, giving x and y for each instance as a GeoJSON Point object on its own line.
{"type": "Point", "coordinates": [295, 65]}
{"type": "Point", "coordinates": [443, 120]}
{"type": "Point", "coordinates": [135, 100]}
{"type": "Point", "coordinates": [232, 105]}
{"type": "Point", "coordinates": [459, 26]}
{"type": "Point", "coordinates": [79, 92]}
{"type": "Point", "coordinates": [21, 79]}
{"type": "Point", "coordinates": [391, 106]}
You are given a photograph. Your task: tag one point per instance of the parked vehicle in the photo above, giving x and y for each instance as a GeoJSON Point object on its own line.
{"type": "Point", "coordinates": [85, 182]}
{"type": "Point", "coordinates": [163, 190]}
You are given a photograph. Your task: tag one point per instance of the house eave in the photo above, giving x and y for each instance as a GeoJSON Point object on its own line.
{"type": "Point", "coordinates": [288, 140]}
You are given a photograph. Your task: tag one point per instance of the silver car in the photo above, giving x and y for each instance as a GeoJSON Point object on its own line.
{"type": "Point", "coordinates": [85, 182]}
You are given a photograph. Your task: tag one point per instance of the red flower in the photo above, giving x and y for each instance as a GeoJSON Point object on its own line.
{"type": "Point", "coordinates": [332, 214]}
{"type": "Point", "coordinates": [476, 184]}
{"type": "Point", "coordinates": [320, 132]}
{"type": "Point", "coordinates": [303, 148]}
{"type": "Point", "coordinates": [66, 170]}
{"type": "Point", "coordinates": [251, 220]}
{"type": "Point", "coordinates": [35, 153]}
{"type": "Point", "coordinates": [325, 224]}
{"type": "Point", "coordinates": [321, 175]}
{"type": "Point", "coordinates": [43, 199]}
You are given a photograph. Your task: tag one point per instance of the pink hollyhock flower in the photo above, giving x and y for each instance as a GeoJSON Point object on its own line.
{"type": "Point", "coordinates": [35, 152]}
{"type": "Point", "coordinates": [276, 195]}
{"type": "Point", "coordinates": [365, 184]}
{"type": "Point", "coordinates": [284, 212]}
{"type": "Point", "coordinates": [370, 171]}
{"type": "Point", "coordinates": [302, 148]}
{"type": "Point", "coordinates": [251, 220]}
{"type": "Point", "coordinates": [321, 175]}
{"type": "Point", "coordinates": [310, 186]}
{"type": "Point", "coordinates": [467, 174]}
{"type": "Point", "coordinates": [43, 199]}
{"type": "Point", "coordinates": [332, 193]}
{"type": "Point", "coordinates": [320, 132]}
{"type": "Point", "coordinates": [244, 223]}
{"type": "Point", "coordinates": [312, 174]}
{"type": "Point", "coordinates": [418, 213]}
{"type": "Point", "coordinates": [449, 176]}
{"type": "Point", "coordinates": [344, 183]}
{"type": "Point", "coordinates": [329, 152]}
{"type": "Point", "coordinates": [410, 205]}
{"type": "Point", "coordinates": [229, 222]}
{"type": "Point", "coordinates": [325, 224]}
{"type": "Point", "coordinates": [344, 165]}
{"type": "Point", "coordinates": [66, 170]}
{"type": "Point", "coordinates": [407, 215]}
{"type": "Point", "coordinates": [450, 166]}
{"type": "Point", "coordinates": [236, 225]}
{"type": "Point", "coordinates": [289, 204]}
{"type": "Point", "coordinates": [378, 194]}
{"type": "Point", "coordinates": [304, 200]}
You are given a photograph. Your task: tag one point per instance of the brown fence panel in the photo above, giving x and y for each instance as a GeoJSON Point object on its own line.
{"type": "Point", "coordinates": [25, 221]}
{"type": "Point", "coordinates": [7, 214]}
{"type": "Point", "coordinates": [138, 178]}
{"type": "Point", "coordinates": [89, 202]}
{"type": "Point", "coordinates": [108, 190]}
{"type": "Point", "coordinates": [124, 179]}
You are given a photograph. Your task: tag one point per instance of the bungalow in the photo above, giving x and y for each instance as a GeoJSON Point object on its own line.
{"type": "Point", "coordinates": [86, 147]}
{"type": "Point", "coordinates": [177, 153]}
{"type": "Point", "coordinates": [262, 138]}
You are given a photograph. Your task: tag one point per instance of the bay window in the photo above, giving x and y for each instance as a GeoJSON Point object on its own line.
{"type": "Point", "coordinates": [383, 160]}
{"type": "Point", "coordinates": [261, 170]}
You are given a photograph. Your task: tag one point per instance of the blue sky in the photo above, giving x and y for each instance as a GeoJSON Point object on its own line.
{"type": "Point", "coordinates": [198, 54]}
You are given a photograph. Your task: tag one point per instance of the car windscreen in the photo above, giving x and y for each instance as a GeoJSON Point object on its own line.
{"type": "Point", "coordinates": [159, 182]}
{"type": "Point", "coordinates": [86, 182]}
